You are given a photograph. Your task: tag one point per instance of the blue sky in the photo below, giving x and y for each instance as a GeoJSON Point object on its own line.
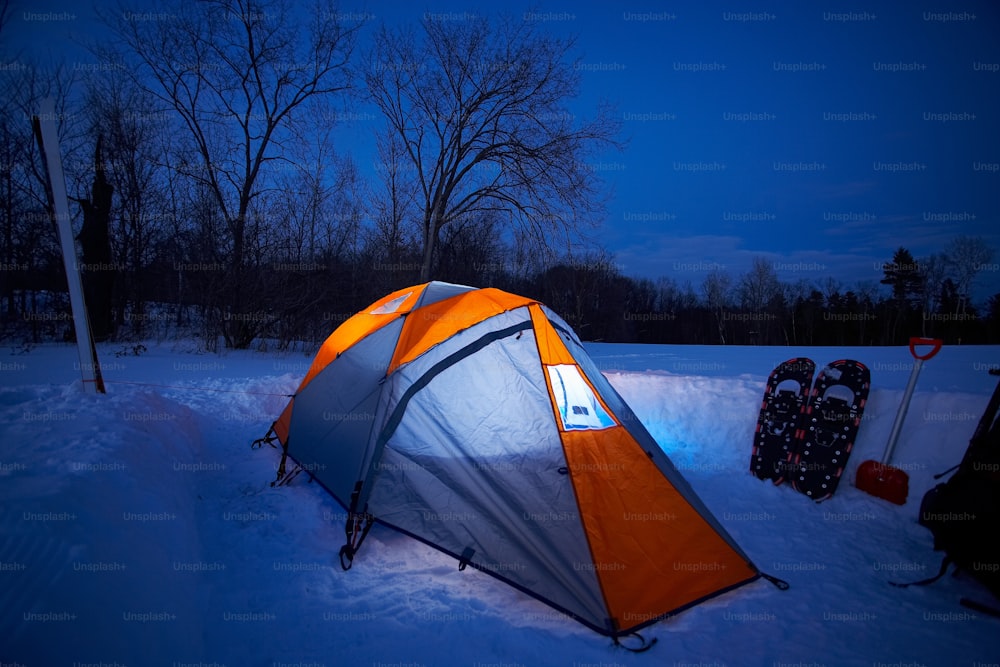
{"type": "Point", "coordinates": [817, 140]}
{"type": "Point", "coordinates": [819, 135]}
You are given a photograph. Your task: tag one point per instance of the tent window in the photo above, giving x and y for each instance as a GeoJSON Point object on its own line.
{"type": "Point", "coordinates": [391, 306]}
{"type": "Point", "coordinates": [578, 407]}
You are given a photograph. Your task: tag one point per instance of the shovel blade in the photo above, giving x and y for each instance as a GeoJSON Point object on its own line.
{"type": "Point", "coordinates": [883, 481]}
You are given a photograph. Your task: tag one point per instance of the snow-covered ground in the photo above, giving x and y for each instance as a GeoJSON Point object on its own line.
{"type": "Point", "coordinates": [139, 528]}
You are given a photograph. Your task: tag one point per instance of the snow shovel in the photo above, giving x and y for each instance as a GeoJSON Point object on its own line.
{"type": "Point", "coordinates": [878, 478]}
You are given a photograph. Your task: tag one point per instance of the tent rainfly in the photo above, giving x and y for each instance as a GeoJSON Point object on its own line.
{"type": "Point", "coordinates": [475, 421]}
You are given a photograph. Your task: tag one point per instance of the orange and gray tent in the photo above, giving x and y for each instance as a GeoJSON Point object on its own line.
{"type": "Point", "coordinates": [475, 421]}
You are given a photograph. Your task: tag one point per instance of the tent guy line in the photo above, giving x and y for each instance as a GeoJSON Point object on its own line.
{"type": "Point", "coordinates": [186, 388]}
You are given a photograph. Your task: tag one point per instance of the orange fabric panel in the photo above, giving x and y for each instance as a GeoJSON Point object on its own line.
{"type": "Point", "coordinates": [550, 347]}
{"type": "Point", "coordinates": [284, 423]}
{"type": "Point", "coordinates": [429, 325]}
{"type": "Point", "coordinates": [653, 553]}
{"type": "Point", "coordinates": [357, 327]}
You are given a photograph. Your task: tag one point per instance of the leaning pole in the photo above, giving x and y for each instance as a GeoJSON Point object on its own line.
{"type": "Point", "coordinates": [47, 135]}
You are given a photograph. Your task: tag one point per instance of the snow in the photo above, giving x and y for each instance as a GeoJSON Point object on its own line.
{"type": "Point", "coordinates": [139, 528]}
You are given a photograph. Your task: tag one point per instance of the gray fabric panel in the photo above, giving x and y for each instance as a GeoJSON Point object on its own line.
{"type": "Point", "coordinates": [409, 373]}
{"type": "Point", "coordinates": [404, 376]}
{"type": "Point", "coordinates": [388, 421]}
{"type": "Point", "coordinates": [475, 464]}
{"type": "Point", "coordinates": [333, 416]}
{"type": "Point", "coordinates": [438, 291]}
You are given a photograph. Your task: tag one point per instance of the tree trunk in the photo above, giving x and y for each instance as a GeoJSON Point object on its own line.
{"type": "Point", "coordinates": [95, 242]}
{"type": "Point", "coordinates": [431, 229]}
{"type": "Point", "coordinates": [237, 326]}
{"type": "Point", "coordinates": [9, 242]}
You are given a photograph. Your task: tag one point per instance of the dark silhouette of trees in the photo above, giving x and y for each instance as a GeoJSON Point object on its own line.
{"type": "Point", "coordinates": [218, 198]}
{"type": "Point", "coordinates": [134, 138]}
{"type": "Point", "coordinates": [904, 276]}
{"type": "Point", "coordinates": [98, 270]}
{"type": "Point", "coordinates": [237, 73]}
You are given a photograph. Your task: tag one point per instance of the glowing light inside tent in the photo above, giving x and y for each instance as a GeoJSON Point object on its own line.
{"type": "Point", "coordinates": [578, 407]}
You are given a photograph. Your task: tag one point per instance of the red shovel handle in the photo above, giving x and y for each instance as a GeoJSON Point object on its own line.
{"type": "Point", "coordinates": [936, 342]}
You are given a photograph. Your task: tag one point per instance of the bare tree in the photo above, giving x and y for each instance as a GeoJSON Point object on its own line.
{"type": "Point", "coordinates": [868, 293]}
{"type": "Point", "coordinates": [759, 291]}
{"type": "Point", "coordinates": [933, 271]}
{"type": "Point", "coordinates": [759, 286]}
{"type": "Point", "coordinates": [717, 288]}
{"type": "Point", "coordinates": [28, 242]}
{"type": "Point", "coordinates": [669, 297]}
{"type": "Point", "coordinates": [393, 234]}
{"type": "Point", "coordinates": [236, 72]}
{"type": "Point", "coordinates": [795, 294]}
{"type": "Point", "coordinates": [831, 288]}
{"type": "Point", "coordinates": [965, 257]}
{"type": "Point", "coordinates": [314, 206]}
{"type": "Point", "coordinates": [133, 135]}
{"type": "Point", "coordinates": [479, 107]}
{"type": "Point", "coordinates": [471, 250]}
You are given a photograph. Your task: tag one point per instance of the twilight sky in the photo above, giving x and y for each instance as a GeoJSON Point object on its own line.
{"type": "Point", "coordinates": [819, 135]}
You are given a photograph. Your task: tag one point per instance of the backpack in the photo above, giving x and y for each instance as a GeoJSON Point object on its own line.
{"type": "Point", "coordinates": [964, 513]}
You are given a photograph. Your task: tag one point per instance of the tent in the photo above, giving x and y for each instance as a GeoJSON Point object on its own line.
{"type": "Point", "coordinates": [474, 421]}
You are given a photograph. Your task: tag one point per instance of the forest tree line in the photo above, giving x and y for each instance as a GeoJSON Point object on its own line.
{"type": "Point", "coordinates": [212, 196]}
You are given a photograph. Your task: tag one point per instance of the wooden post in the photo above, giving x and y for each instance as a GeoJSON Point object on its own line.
{"type": "Point", "coordinates": [48, 139]}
